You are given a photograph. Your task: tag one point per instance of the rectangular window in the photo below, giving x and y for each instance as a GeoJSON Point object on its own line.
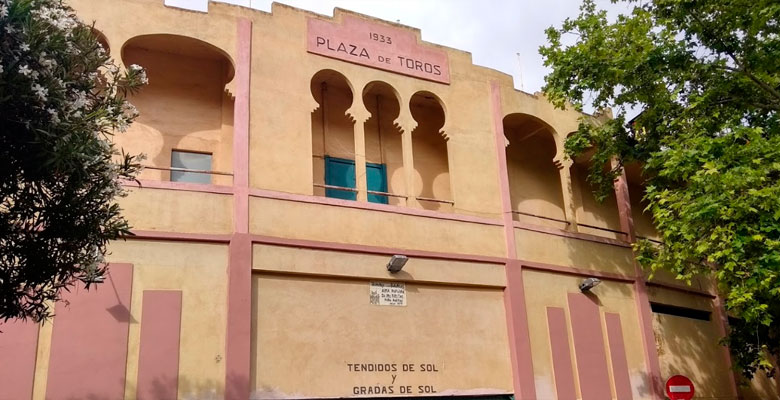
{"type": "Point", "coordinates": [677, 311]}
{"type": "Point", "coordinates": [190, 161]}
{"type": "Point", "coordinates": [341, 172]}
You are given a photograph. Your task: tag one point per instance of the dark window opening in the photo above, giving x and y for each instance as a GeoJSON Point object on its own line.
{"type": "Point", "coordinates": [680, 311]}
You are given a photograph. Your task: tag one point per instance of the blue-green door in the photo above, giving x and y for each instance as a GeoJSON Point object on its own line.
{"type": "Point", "coordinates": [376, 177]}
{"type": "Point", "coordinates": [341, 172]}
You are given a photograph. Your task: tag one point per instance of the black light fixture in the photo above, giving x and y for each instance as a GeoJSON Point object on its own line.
{"type": "Point", "coordinates": [589, 283]}
{"type": "Point", "coordinates": [396, 263]}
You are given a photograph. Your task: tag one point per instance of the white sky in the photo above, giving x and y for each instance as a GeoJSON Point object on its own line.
{"type": "Point", "coordinates": [494, 31]}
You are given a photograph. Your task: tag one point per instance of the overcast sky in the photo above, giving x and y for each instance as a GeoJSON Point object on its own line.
{"type": "Point", "coordinates": [494, 31]}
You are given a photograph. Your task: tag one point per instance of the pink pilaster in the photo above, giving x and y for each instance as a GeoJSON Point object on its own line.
{"type": "Point", "coordinates": [589, 347]}
{"type": "Point", "coordinates": [723, 327]}
{"type": "Point", "coordinates": [158, 358]}
{"type": "Point", "coordinates": [514, 296]}
{"type": "Point", "coordinates": [239, 306]}
{"type": "Point", "coordinates": [89, 339]}
{"type": "Point", "coordinates": [18, 345]}
{"type": "Point", "coordinates": [617, 354]}
{"type": "Point", "coordinates": [561, 354]}
{"type": "Point", "coordinates": [640, 289]}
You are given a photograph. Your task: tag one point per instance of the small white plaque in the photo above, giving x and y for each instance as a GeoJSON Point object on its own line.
{"type": "Point", "coordinates": [387, 294]}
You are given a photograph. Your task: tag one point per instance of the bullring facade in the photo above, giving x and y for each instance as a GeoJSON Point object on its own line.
{"type": "Point", "coordinates": [290, 156]}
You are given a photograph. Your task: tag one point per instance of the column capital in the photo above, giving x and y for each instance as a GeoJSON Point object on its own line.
{"type": "Point", "coordinates": [358, 114]}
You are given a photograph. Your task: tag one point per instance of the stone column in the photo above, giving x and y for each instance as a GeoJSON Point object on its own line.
{"type": "Point", "coordinates": [359, 116]}
{"type": "Point", "coordinates": [407, 124]}
{"type": "Point", "coordinates": [567, 189]}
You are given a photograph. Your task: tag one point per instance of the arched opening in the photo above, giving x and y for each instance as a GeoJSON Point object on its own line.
{"type": "Point", "coordinates": [534, 180]}
{"type": "Point", "coordinates": [431, 164]}
{"type": "Point", "coordinates": [185, 125]}
{"type": "Point", "coordinates": [384, 156]}
{"type": "Point", "coordinates": [101, 38]}
{"type": "Point", "coordinates": [643, 220]}
{"type": "Point", "coordinates": [332, 135]}
{"type": "Point", "coordinates": [594, 217]}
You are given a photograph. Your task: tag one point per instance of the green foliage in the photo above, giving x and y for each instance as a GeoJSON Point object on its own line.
{"type": "Point", "coordinates": [61, 100]}
{"type": "Point", "coordinates": [706, 77]}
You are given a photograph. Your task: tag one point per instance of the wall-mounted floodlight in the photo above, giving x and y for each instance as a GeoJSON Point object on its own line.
{"type": "Point", "coordinates": [396, 263]}
{"type": "Point", "coordinates": [589, 283]}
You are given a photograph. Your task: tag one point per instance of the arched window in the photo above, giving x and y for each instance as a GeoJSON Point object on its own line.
{"type": "Point", "coordinates": [333, 139]}
{"type": "Point", "coordinates": [384, 156]}
{"type": "Point", "coordinates": [534, 180]}
{"type": "Point", "coordinates": [594, 217]}
{"type": "Point", "coordinates": [431, 164]}
{"type": "Point", "coordinates": [643, 220]}
{"type": "Point", "coordinates": [186, 115]}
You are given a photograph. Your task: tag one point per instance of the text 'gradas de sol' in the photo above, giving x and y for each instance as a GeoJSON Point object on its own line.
{"type": "Point", "coordinates": [396, 376]}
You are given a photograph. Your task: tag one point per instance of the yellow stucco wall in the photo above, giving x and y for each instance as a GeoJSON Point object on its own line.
{"type": "Point", "coordinates": [198, 271]}
{"type": "Point", "coordinates": [543, 289]}
{"type": "Point", "coordinates": [311, 312]}
{"type": "Point", "coordinates": [556, 250]}
{"type": "Point", "coordinates": [690, 347]}
{"type": "Point", "coordinates": [308, 329]}
{"type": "Point", "coordinates": [169, 211]}
{"type": "Point", "coordinates": [319, 222]}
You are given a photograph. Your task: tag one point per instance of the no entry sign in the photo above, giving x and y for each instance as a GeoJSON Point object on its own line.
{"type": "Point", "coordinates": [679, 387]}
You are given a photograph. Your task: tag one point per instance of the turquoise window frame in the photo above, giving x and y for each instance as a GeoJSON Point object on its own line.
{"type": "Point", "coordinates": [341, 172]}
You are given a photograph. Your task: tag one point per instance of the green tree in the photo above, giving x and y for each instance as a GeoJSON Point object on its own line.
{"type": "Point", "coordinates": [61, 100]}
{"type": "Point", "coordinates": [705, 76]}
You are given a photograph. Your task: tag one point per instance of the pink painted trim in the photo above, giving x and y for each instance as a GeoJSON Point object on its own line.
{"type": "Point", "coordinates": [572, 235]}
{"type": "Point", "coordinates": [241, 125]}
{"type": "Point", "coordinates": [624, 206]}
{"type": "Point", "coordinates": [589, 347]}
{"type": "Point", "coordinates": [359, 248]}
{"type": "Point", "coordinates": [239, 318]}
{"type": "Point", "coordinates": [179, 236]}
{"type": "Point", "coordinates": [503, 174]}
{"type": "Point", "coordinates": [648, 336]}
{"type": "Point", "coordinates": [723, 326]}
{"type": "Point", "coordinates": [18, 347]}
{"type": "Point", "coordinates": [561, 353]}
{"type": "Point", "coordinates": [577, 271]}
{"type": "Point", "coordinates": [239, 302]}
{"type": "Point", "coordinates": [158, 358]}
{"type": "Point", "coordinates": [183, 186]}
{"type": "Point", "coordinates": [681, 288]}
{"type": "Point", "coordinates": [269, 194]}
{"type": "Point", "coordinates": [519, 336]}
{"type": "Point", "coordinates": [514, 294]}
{"type": "Point", "coordinates": [617, 353]}
{"type": "Point", "coordinates": [309, 274]}
{"type": "Point", "coordinates": [89, 339]}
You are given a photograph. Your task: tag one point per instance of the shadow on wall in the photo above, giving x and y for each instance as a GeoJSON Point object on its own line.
{"type": "Point", "coordinates": [159, 390]}
{"type": "Point", "coordinates": [429, 145]}
{"type": "Point", "coordinates": [185, 105]}
{"type": "Point", "coordinates": [534, 180]}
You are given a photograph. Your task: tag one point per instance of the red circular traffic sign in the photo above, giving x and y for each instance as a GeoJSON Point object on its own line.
{"type": "Point", "coordinates": [679, 387]}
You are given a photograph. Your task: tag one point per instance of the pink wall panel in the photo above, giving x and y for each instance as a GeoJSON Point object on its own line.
{"type": "Point", "coordinates": [18, 347]}
{"type": "Point", "coordinates": [158, 359]}
{"type": "Point", "coordinates": [561, 354]}
{"type": "Point", "coordinates": [617, 352]}
{"type": "Point", "coordinates": [89, 340]}
{"type": "Point", "coordinates": [589, 347]}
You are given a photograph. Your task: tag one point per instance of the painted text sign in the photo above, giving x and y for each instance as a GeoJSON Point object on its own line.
{"type": "Point", "coordinates": [396, 375]}
{"type": "Point", "coordinates": [379, 46]}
